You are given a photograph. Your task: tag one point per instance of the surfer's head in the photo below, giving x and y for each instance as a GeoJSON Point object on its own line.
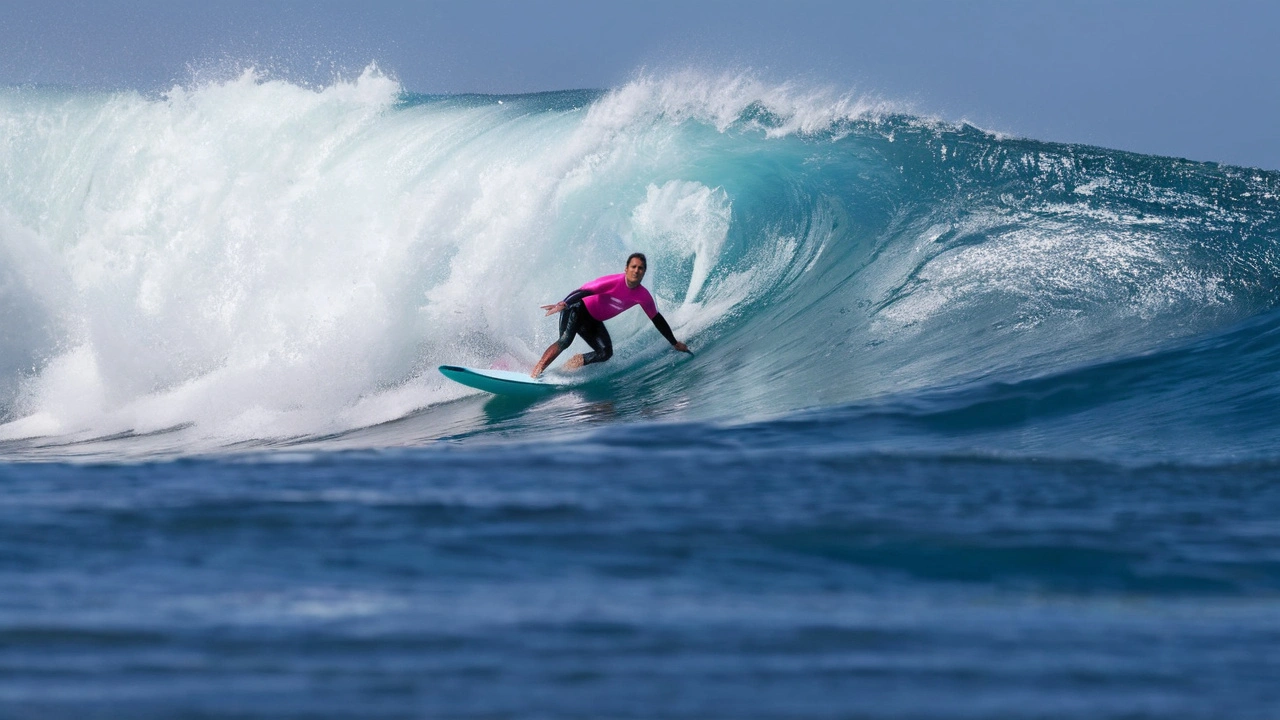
{"type": "Point", "coordinates": [636, 267]}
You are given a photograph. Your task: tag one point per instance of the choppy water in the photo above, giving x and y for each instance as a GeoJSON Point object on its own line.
{"type": "Point", "coordinates": [977, 426]}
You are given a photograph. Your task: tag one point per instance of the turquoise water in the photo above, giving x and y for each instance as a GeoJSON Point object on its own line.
{"type": "Point", "coordinates": [977, 426]}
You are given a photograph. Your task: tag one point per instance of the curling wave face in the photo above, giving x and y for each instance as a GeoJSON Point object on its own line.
{"type": "Point", "coordinates": [252, 262]}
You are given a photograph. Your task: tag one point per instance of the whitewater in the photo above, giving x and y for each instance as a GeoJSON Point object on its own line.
{"type": "Point", "coordinates": [990, 416]}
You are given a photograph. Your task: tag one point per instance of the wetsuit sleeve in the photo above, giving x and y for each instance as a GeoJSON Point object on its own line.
{"type": "Point", "coordinates": [661, 323]}
{"type": "Point", "coordinates": [577, 295]}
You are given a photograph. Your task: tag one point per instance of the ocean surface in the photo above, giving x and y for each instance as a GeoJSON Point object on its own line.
{"type": "Point", "coordinates": [977, 426]}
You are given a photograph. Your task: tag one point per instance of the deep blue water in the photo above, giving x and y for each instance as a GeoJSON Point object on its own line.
{"type": "Point", "coordinates": [672, 573]}
{"type": "Point", "coordinates": [977, 426]}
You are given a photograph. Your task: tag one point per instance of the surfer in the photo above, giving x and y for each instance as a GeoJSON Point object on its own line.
{"type": "Point", "coordinates": [584, 311]}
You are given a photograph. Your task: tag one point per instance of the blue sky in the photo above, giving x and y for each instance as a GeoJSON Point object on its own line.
{"type": "Point", "coordinates": [1189, 79]}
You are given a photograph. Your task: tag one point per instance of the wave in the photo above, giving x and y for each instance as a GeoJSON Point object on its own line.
{"type": "Point", "coordinates": [255, 261]}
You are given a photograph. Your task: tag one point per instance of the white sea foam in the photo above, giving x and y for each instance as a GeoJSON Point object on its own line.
{"type": "Point", "coordinates": [723, 100]}
{"type": "Point", "coordinates": [686, 220]}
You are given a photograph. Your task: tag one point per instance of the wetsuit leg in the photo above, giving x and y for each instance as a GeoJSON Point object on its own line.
{"type": "Point", "coordinates": [598, 338]}
{"type": "Point", "coordinates": [575, 320]}
{"type": "Point", "coordinates": [569, 319]}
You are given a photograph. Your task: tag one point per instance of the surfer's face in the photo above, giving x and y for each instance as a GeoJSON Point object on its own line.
{"type": "Point", "coordinates": [635, 272]}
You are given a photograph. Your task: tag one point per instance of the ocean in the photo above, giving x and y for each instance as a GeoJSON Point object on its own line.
{"type": "Point", "coordinates": [977, 426]}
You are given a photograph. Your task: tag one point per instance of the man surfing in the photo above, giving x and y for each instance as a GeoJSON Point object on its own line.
{"type": "Point", "coordinates": [584, 311]}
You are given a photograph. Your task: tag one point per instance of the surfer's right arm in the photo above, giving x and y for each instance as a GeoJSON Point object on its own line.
{"type": "Point", "coordinates": [569, 299]}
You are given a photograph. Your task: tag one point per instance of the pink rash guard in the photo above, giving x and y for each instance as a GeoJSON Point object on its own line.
{"type": "Point", "coordinates": [610, 296]}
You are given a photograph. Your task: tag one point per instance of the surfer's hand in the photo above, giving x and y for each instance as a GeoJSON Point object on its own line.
{"type": "Point", "coordinates": [682, 347]}
{"type": "Point", "coordinates": [553, 309]}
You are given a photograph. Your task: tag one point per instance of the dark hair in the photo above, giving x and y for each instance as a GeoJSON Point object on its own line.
{"type": "Point", "coordinates": [633, 256]}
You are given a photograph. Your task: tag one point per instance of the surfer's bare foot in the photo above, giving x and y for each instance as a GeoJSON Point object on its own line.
{"type": "Point", "coordinates": [574, 363]}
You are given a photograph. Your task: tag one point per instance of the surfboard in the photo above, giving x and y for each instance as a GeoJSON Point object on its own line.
{"type": "Point", "coordinates": [499, 382]}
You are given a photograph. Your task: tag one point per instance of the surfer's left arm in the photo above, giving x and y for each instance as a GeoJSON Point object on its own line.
{"type": "Point", "coordinates": [661, 323]}
{"type": "Point", "coordinates": [576, 296]}
{"type": "Point", "coordinates": [569, 299]}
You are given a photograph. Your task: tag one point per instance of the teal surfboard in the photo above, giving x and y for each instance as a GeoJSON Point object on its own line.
{"type": "Point", "coordinates": [499, 382]}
